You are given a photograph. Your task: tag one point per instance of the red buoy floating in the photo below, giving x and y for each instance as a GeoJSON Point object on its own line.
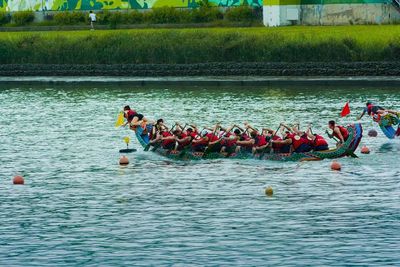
{"type": "Point", "coordinates": [336, 166]}
{"type": "Point", "coordinates": [365, 150]}
{"type": "Point", "coordinates": [123, 160]}
{"type": "Point", "coordinates": [18, 179]}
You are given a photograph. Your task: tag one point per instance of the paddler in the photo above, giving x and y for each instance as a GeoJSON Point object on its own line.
{"type": "Point", "coordinates": [338, 131]}
{"type": "Point", "coordinates": [229, 141]}
{"type": "Point", "coordinates": [167, 140]}
{"type": "Point", "coordinates": [318, 142]}
{"type": "Point", "coordinates": [271, 135]}
{"type": "Point", "coordinates": [257, 143]}
{"type": "Point", "coordinates": [157, 127]}
{"type": "Point", "coordinates": [372, 109]}
{"type": "Point", "coordinates": [182, 139]}
{"type": "Point", "coordinates": [298, 144]}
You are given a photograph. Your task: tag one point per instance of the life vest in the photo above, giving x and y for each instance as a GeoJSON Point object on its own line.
{"type": "Point", "coordinates": [343, 131]}
{"type": "Point", "coordinates": [131, 114]}
{"type": "Point", "coordinates": [245, 137]}
{"type": "Point", "coordinates": [168, 141]}
{"type": "Point", "coordinates": [212, 137]}
{"type": "Point", "coordinates": [319, 141]}
{"type": "Point", "coordinates": [274, 145]}
{"type": "Point", "coordinates": [186, 142]}
{"type": "Point", "coordinates": [260, 141]}
{"type": "Point", "coordinates": [297, 141]}
{"type": "Point", "coordinates": [369, 109]}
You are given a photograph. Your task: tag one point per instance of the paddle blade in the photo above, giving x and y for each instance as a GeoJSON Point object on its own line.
{"type": "Point", "coordinates": [120, 120]}
{"type": "Point", "coordinates": [127, 140]}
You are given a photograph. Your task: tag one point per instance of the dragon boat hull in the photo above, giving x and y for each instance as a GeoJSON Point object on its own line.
{"type": "Point", "coordinates": [387, 124]}
{"type": "Point", "coordinates": [347, 149]}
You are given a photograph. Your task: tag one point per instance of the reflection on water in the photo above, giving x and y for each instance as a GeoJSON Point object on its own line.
{"type": "Point", "coordinates": [79, 207]}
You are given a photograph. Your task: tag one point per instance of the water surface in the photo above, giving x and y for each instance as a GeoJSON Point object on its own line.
{"type": "Point", "coordinates": [79, 207]}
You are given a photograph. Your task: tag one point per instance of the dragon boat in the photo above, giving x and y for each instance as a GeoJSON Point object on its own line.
{"type": "Point", "coordinates": [347, 149]}
{"type": "Point", "coordinates": [387, 124]}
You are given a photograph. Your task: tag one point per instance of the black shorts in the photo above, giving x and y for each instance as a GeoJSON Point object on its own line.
{"type": "Point", "coordinates": [170, 146]}
{"type": "Point", "coordinates": [139, 116]}
{"type": "Point", "coordinates": [321, 148]}
{"type": "Point", "coordinates": [214, 148]}
{"type": "Point", "coordinates": [198, 148]}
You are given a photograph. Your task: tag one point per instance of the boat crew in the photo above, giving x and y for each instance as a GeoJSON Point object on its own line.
{"type": "Point", "coordinates": [338, 131]}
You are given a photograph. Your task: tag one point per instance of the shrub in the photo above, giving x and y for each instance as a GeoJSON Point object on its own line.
{"type": "Point", "coordinates": [206, 14]}
{"type": "Point", "coordinates": [70, 18]}
{"type": "Point", "coordinates": [164, 15]}
{"type": "Point", "coordinates": [134, 17]}
{"type": "Point", "coordinates": [23, 17]}
{"type": "Point", "coordinates": [241, 13]}
{"type": "Point", "coordinates": [103, 17]}
{"type": "Point", "coordinates": [4, 18]}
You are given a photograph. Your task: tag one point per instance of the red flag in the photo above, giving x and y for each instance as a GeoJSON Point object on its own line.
{"type": "Point", "coordinates": [345, 110]}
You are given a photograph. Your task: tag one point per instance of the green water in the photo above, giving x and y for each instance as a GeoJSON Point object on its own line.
{"type": "Point", "coordinates": [79, 207]}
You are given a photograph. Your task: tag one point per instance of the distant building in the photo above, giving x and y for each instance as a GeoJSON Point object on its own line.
{"type": "Point", "coordinates": [330, 12]}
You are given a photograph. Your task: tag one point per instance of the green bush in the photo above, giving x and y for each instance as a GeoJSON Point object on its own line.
{"type": "Point", "coordinates": [295, 44]}
{"type": "Point", "coordinates": [4, 18]}
{"type": "Point", "coordinates": [206, 14]}
{"type": "Point", "coordinates": [23, 17]}
{"type": "Point", "coordinates": [241, 13]}
{"type": "Point", "coordinates": [134, 17]}
{"type": "Point", "coordinates": [70, 18]}
{"type": "Point", "coordinates": [164, 15]}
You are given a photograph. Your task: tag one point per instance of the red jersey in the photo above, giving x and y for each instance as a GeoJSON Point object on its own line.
{"type": "Point", "coordinates": [319, 141]}
{"type": "Point", "coordinates": [168, 141]}
{"type": "Point", "coordinates": [260, 141]}
{"type": "Point", "coordinates": [185, 142]}
{"type": "Point", "coordinates": [343, 131]}
{"type": "Point", "coordinates": [297, 141]}
{"type": "Point", "coordinates": [130, 114]}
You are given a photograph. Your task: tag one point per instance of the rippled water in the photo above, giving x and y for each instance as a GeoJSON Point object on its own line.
{"type": "Point", "coordinates": [79, 207]}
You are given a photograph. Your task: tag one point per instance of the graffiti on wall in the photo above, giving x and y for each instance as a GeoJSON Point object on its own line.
{"type": "Point", "coordinates": [39, 5]}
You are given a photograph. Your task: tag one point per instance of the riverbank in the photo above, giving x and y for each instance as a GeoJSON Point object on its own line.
{"type": "Point", "coordinates": [343, 44]}
{"type": "Point", "coordinates": [251, 69]}
{"type": "Point", "coordinates": [226, 81]}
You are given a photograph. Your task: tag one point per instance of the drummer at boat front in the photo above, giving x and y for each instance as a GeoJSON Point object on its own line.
{"type": "Point", "coordinates": [133, 118]}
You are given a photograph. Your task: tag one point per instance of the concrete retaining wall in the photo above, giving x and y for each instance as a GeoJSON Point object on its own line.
{"type": "Point", "coordinates": [344, 14]}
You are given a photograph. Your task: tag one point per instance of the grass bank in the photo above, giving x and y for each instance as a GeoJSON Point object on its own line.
{"type": "Point", "coordinates": [188, 46]}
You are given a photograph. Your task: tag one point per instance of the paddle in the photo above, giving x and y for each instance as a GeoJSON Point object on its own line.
{"type": "Point", "coordinates": [127, 150]}
{"type": "Point", "coordinates": [120, 120]}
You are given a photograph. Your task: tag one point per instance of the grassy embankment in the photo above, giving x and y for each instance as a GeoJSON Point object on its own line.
{"type": "Point", "coordinates": [290, 44]}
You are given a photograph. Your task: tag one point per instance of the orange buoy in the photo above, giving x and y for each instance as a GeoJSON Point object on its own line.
{"type": "Point", "coordinates": [123, 160]}
{"type": "Point", "coordinates": [336, 166]}
{"type": "Point", "coordinates": [365, 150]}
{"type": "Point", "coordinates": [269, 191]}
{"type": "Point", "coordinates": [18, 179]}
